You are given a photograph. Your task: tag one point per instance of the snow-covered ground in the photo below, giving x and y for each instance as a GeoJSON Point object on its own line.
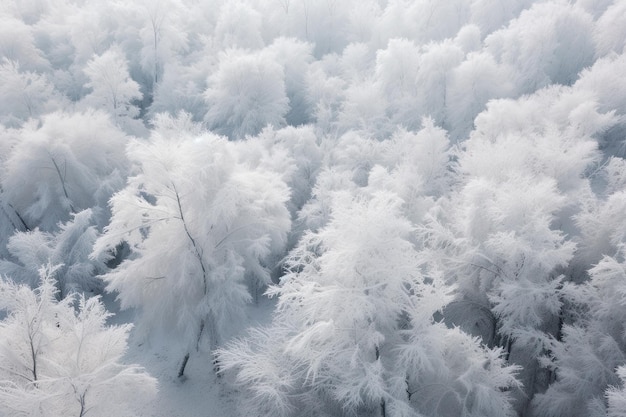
{"type": "Point", "coordinates": [200, 393]}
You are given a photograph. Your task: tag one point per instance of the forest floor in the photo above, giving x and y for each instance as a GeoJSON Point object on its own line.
{"type": "Point", "coordinates": [200, 393]}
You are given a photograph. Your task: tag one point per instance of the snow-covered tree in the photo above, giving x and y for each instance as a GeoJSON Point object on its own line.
{"type": "Point", "coordinates": [17, 43]}
{"type": "Point", "coordinates": [295, 57]}
{"type": "Point", "coordinates": [161, 34]}
{"type": "Point", "coordinates": [293, 151]}
{"type": "Point", "coordinates": [609, 91]}
{"type": "Point", "coordinates": [609, 33]}
{"type": "Point", "coordinates": [396, 71]}
{"type": "Point", "coordinates": [65, 164]}
{"type": "Point", "coordinates": [25, 95]}
{"type": "Point", "coordinates": [422, 21]}
{"type": "Point", "coordinates": [246, 93]}
{"type": "Point", "coordinates": [180, 89]}
{"type": "Point", "coordinates": [50, 170]}
{"type": "Point", "coordinates": [491, 15]}
{"type": "Point", "coordinates": [112, 89]}
{"type": "Point", "coordinates": [61, 358]}
{"type": "Point", "coordinates": [510, 237]}
{"type": "Point", "coordinates": [421, 160]}
{"type": "Point", "coordinates": [472, 84]}
{"type": "Point", "coordinates": [200, 225]}
{"type": "Point", "coordinates": [69, 247]}
{"type": "Point", "coordinates": [602, 226]}
{"type": "Point", "coordinates": [586, 359]}
{"type": "Point", "coordinates": [504, 260]}
{"type": "Point", "coordinates": [239, 26]}
{"type": "Point", "coordinates": [551, 42]}
{"type": "Point", "coordinates": [354, 332]}
{"type": "Point", "coordinates": [616, 396]}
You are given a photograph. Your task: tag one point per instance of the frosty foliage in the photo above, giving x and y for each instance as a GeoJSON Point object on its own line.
{"type": "Point", "coordinates": [68, 163]}
{"type": "Point", "coordinates": [603, 228]}
{"type": "Point", "coordinates": [503, 262]}
{"type": "Point", "coordinates": [297, 155]}
{"type": "Point", "coordinates": [159, 33]}
{"type": "Point", "coordinates": [180, 89]}
{"type": "Point", "coordinates": [416, 167]}
{"type": "Point", "coordinates": [353, 326]}
{"type": "Point", "coordinates": [588, 358]}
{"type": "Point", "coordinates": [17, 43]}
{"type": "Point", "coordinates": [230, 33]}
{"type": "Point", "coordinates": [112, 89]}
{"type": "Point", "coordinates": [616, 397]}
{"type": "Point", "coordinates": [59, 357]}
{"type": "Point", "coordinates": [295, 57]}
{"type": "Point", "coordinates": [551, 42]}
{"type": "Point", "coordinates": [506, 253]}
{"type": "Point", "coordinates": [25, 94]}
{"type": "Point", "coordinates": [246, 93]}
{"type": "Point", "coordinates": [200, 225]}
{"type": "Point", "coordinates": [68, 248]}
{"type": "Point", "coordinates": [436, 190]}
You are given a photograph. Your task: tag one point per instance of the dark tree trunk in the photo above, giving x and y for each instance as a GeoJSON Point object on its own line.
{"type": "Point", "coordinates": [181, 370]}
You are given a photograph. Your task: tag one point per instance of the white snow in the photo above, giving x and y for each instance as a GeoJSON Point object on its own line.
{"type": "Point", "coordinates": [200, 393]}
